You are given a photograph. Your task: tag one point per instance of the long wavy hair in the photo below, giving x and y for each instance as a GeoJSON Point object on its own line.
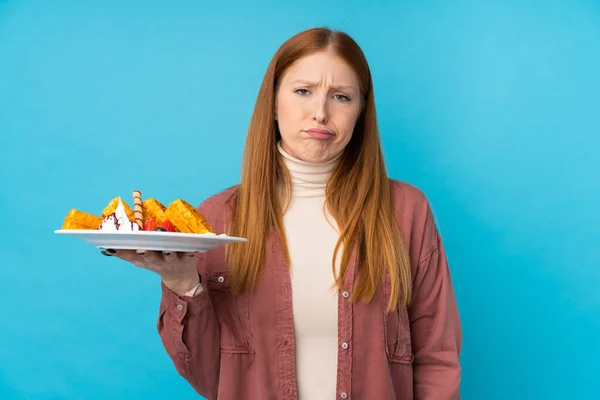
{"type": "Point", "coordinates": [358, 193]}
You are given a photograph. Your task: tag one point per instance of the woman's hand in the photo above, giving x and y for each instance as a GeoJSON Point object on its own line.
{"type": "Point", "coordinates": [177, 270]}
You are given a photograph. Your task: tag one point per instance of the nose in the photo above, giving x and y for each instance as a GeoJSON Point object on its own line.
{"type": "Point", "coordinates": [321, 111]}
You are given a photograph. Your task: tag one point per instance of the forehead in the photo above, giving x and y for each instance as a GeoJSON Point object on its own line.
{"type": "Point", "coordinates": [322, 66]}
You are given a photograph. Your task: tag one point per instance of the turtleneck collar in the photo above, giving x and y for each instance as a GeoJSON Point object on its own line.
{"type": "Point", "coordinates": [308, 179]}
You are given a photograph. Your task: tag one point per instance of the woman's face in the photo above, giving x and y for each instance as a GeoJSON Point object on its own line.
{"type": "Point", "coordinates": [316, 107]}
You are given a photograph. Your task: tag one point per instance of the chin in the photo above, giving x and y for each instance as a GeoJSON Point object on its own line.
{"type": "Point", "coordinates": [316, 151]}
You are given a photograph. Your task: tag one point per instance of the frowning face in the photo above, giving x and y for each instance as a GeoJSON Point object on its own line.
{"type": "Point", "coordinates": [317, 104]}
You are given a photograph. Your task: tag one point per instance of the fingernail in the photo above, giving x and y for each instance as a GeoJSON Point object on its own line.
{"type": "Point", "coordinates": [111, 251]}
{"type": "Point", "coordinates": [166, 253]}
{"type": "Point", "coordinates": [104, 253]}
{"type": "Point", "coordinates": [140, 253]}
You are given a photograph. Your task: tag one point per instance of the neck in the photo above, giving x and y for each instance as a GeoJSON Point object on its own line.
{"type": "Point", "coordinates": [308, 179]}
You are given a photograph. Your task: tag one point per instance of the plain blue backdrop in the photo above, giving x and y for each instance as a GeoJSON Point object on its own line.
{"type": "Point", "coordinates": [491, 108]}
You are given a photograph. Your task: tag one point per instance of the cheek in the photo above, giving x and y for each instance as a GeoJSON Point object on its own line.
{"type": "Point", "coordinates": [290, 112]}
{"type": "Point", "coordinates": [347, 122]}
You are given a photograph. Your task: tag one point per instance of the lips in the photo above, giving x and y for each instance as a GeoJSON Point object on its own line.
{"type": "Point", "coordinates": [318, 133]}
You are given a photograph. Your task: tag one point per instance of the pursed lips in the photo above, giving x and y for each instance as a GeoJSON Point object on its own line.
{"type": "Point", "coordinates": [319, 133]}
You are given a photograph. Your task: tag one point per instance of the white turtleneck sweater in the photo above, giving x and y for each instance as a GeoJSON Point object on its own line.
{"type": "Point", "coordinates": [311, 235]}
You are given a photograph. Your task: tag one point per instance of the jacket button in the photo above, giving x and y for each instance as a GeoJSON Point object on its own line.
{"type": "Point", "coordinates": [344, 346]}
{"type": "Point", "coordinates": [346, 294]}
{"type": "Point", "coordinates": [344, 395]}
{"type": "Point", "coordinates": [179, 307]}
{"type": "Point", "coordinates": [221, 279]}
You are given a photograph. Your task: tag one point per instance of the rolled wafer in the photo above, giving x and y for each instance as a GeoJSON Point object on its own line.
{"type": "Point", "coordinates": [138, 209]}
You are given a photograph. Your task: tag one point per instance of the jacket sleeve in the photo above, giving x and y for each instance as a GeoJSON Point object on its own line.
{"type": "Point", "coordinates": [189, 331]}
{"type": "Point", "coordinates": [435, 325]}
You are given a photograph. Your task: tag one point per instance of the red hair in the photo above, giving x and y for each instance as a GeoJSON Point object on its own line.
{"type": "Point", "coordinates": [367, 222]}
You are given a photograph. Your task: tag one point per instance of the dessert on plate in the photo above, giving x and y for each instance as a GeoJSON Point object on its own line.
{"type": "Point", "coordinates": [118, 220]}
{"type": "Point", "coordinates": [147, 215]}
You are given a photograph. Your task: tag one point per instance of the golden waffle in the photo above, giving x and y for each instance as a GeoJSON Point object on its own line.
{"type": "Point", "coordinates": [154, 209]}
{"type": "Point", "coordinates": [112, 206]}
{"type": "Point", "coordinates": [185, 218]}
{"type": "Point", "coordinates": [76, 219]}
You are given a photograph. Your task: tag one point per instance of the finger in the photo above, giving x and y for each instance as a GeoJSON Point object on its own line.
{"type": "Point", "coordinates": [156, 261]}
{"type": "Point", "coordinates": [151, 257]}
{"type": "Point", "coordinates": [180, 254]}
{"type": "Point", "coordinates": [145, 259]}
{"type": "Point", "coordinates": [127, 255]}
{"type": "Point", "coordinates": [185, 254]}
{"type": "Point", "coordinates": [107, 252]}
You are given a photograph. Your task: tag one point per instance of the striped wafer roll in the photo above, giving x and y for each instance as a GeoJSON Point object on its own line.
{"type": "Point", "coordinates": [137, 208]}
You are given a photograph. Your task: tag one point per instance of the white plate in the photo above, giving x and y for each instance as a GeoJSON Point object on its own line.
{"type": "Point", "coordinates": [151, 240]}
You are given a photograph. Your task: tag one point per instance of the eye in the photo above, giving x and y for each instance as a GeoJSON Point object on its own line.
{"type": "Point", "coordinates": [342, 97]}
{"type": "Point", "coordinates": [301, 92]}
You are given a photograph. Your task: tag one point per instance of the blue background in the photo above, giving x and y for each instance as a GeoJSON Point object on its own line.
{"type": "Point", "coordinates": [491, 108]}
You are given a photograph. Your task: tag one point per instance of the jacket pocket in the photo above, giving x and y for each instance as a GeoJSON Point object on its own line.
{"type": "Point", "coordinates": [172, 338]}
{"type": "Point", "coordinates": [397, 336]}
{"type": "Point", "coordinates": [233, 315]}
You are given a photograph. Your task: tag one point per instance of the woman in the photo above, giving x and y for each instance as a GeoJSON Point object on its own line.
{"type": "Point", "coordinates": [343, 289]}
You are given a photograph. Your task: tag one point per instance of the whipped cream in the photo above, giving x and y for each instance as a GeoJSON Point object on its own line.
{"type": "Point", "coordinates": [118, 221]}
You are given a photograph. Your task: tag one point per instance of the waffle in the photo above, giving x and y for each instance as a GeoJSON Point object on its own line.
{"type": "Point", "coordinates": [185, 218]}
{"type": "Point", "coordinates": [154, 209]}
{"type": "Point", "coordinates": [76, 219]}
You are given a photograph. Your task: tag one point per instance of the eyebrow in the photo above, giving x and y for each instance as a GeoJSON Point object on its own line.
{"type": "Point", "coordinates": [308, 83]}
